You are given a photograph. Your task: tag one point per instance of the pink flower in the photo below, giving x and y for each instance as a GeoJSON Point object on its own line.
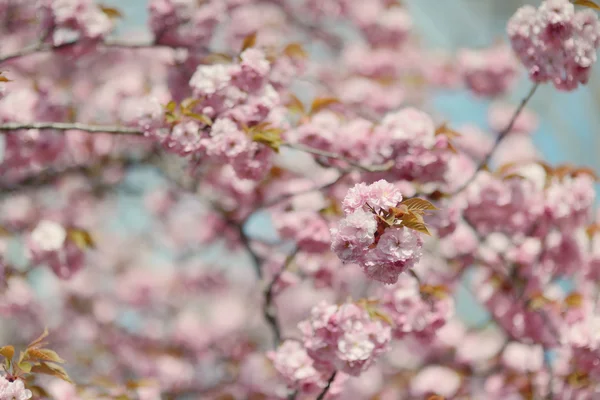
{"type": "Point", "coordinates": [10, 390]}
{"type": "Point", "coordinates": [555, 43]}
{"type": "Point", "coordinates": [343, 338]}
{"type": "Point", "coordinates": [489, 72]}
{"type": "Point", "coordinates": [296, 367]}
{"type": "Point", "coordinates": [436, 379]}
{"type": "Point", "coordinates": [414, 313]}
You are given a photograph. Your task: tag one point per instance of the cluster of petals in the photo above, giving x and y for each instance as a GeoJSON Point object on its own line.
{"type": "Point", "coordinates": [415, 313]}
{"type": "Point", "coordinates": [556, 43]}
{"type": "Point", "coordinates": [232, 99]}
{"type": "Point", "coordinates": [296, 367]}
{"type": "Point", "coordinates": [69, 20]}
{"type": "Point", "coordinates": [488, 72]}
{"type": "Point", "coordinates": [13, 390]}
{"type": "Point", "coordinates": [307, 228]}
{"type": "Point", "coordinates": [408, 138]}
{"type": "Point", "coordinates": [49, 244]}
{"type": "Point", "coordinates": [354, 238]}
{"type": "Point", "coordinates": [344, 338]}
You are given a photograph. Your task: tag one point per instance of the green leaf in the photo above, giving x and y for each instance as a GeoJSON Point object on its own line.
{"type": "Point", "coordinates": [25, 367]}
{"type": "Point", "coordinates": [198, 117]}
{"type": "Point", "coordinates": [171, 106]}
{"type": "Point", "coordinates": [52, 370]}
{"type": "Point", "coordinates": [7, 352]}
{"type": "Point", "coordinates": [270, 137]}
{"type": "Point", "coordinates": [587, 3]}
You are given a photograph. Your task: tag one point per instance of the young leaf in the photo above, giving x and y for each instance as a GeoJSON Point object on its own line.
{"type": "Point", "coordinates": [295, 50]}
{"type": "Point", "coordinates": [418, 205]}
{"type": "Point", "coordinates": [322, 102]}
{"type": "Point", "coordinates": [3, 78]}
{"type": "Point", "coordinates": [270, 137]}
{"type": "Point", "coordinates": [249, 41]}
{"type": "Point", "coordinates": [415, 222]}
{"type": "Point", "coordinates": [7, 352]}
{"type": "Point", "coordinates": [574, 300]}
{"type": "Point", "coordinates": [51, 369]}
{"type": "Point", "coordinates": [587, 3]}
{"type": "Point", "coordinates": [111, 12]}
{"type": "Point", "coordinates": [25, 367]}
{"type": "Point", "coordinates": [43, 355]}
{"type": "Point", "coordinates": [82, 238]}
{"type": "Point", "coordinates": [37, 343]}
{"type": "Point", "coordinates": [295, 105]}
{"type": "Point", "coordinates": [171, 106]}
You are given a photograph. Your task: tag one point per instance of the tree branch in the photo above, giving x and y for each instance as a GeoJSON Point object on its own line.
{"type": "Point", "coordinates": [65, 126]}
{"type": "Point", "coordinates": [44, 48]}
{"type": "Point", "coordinates": [268, 308]}
{"type": "Point", "coordinates": [326, 389]}
{"type": "Point", "coordinates": [501, 135]}
{"type": "Point", "coordinates": [367, 168]}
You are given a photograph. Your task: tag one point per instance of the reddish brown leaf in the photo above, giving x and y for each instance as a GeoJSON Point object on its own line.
{"type": "Point", "coordinates": [295, 50]}
{"type": "Point", "coordinates": [322, 102]}
{"type": "Point", "coordinates": [111, 12]}
{"type": "Point", "coordinates": [249, 41]}
{"type": "Point", "coordinates": [587, 3]}
{"type": "Point", "coordinates": [37, 343]}
{"type": "Point", "coordinates": [418, 205]}
{"type": "Point", "coordinates": [53, 370]}
{"type": "Point", "coordinates": [295, 105]}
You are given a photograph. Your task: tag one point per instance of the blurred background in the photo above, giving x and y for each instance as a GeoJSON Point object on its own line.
{"type": "Point", "coordinates": [569, 128]}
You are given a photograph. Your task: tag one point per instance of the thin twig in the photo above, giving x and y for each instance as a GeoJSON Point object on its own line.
{"type": "Point", "coordinates": [501, 135]}
{"type": "Point", "coordinates": [286, 196]}
{"type": "Point", "coordinates": [44, 48]}
{"type": "Point", "coordinates": [318, 152]}
{"type": "Point", "coordinates": [326, 389]}
{"type": "Point", "coordinates": [268, 308]}
{"type": "Point", "coordinates": [65, 126]}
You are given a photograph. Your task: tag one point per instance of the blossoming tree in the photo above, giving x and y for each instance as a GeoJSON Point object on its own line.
{"type": "Point", "coordinates": [384, 210]}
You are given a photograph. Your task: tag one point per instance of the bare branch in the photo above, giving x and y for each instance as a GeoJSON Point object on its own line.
{"type": "Point", "coordinates": [268, 308]}
{"type": "Point", "coordinates": [326, 389]}
{"type": "Point", "coordinates": [501, 135]}
{"type": "Point", "coordinates": [65, 126]}
{"type": "Point", "coordinates": [322, 153]}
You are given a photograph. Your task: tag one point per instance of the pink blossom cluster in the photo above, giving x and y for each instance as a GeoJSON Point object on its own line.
{"type": "Point", "coordinates": [49, 243]}
{"type": "Point", "coordinates": [509, 206]}
{"type": "Point", "coordinates": [13, 389]}
{"type": "Point", "coordinates": [488, 72]}
{"type": "Point", "coordinates": [294, 364]}
{"type": "Point", "coordinates": [383, 256]}
{"type": "Point", "coordinates": [66, 21]}
{"type": "Point", "coordinates": [408, 138]}
{"type": "Point", "coordinates": [309, 230]}
{"type": "Point", "coordinates": [414, 311]}
{"type": "Point", "coordinates": [229, 101]}
{"type": "Point", "coordinates": [185, 23]}
{"type": "Point", "coordinates": [344, 338]}
{"type": "Point", "coordinates": [555, 42]}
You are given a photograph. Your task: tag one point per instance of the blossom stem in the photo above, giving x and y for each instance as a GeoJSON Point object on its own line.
{"type": "Point", "coordinates": [326, 389]}
{"type": "Point", "coordinates": [501, 135]}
